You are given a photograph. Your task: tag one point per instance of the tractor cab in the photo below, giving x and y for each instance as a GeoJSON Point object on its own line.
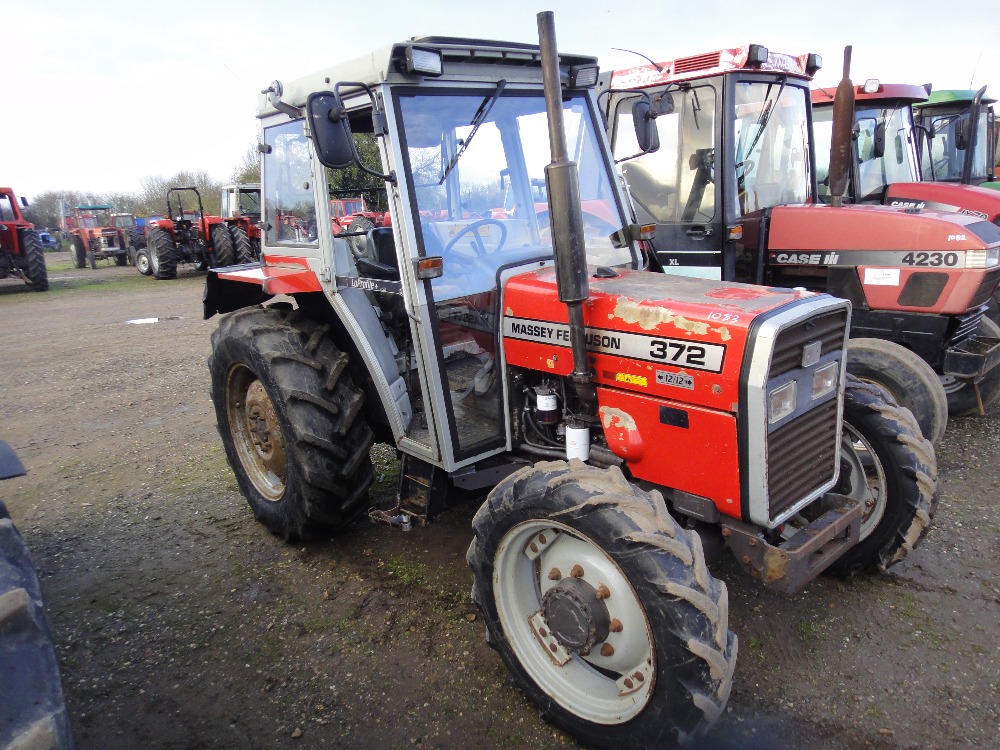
{"type": "Point", "coordinates": [959, 128]}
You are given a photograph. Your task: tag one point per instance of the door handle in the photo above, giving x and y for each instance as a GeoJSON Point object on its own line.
{"type": "Point", "coordinates": [699, 232]}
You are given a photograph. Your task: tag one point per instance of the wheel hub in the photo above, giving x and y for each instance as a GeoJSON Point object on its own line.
{"type": "Point", "coordinates": [576, 616]}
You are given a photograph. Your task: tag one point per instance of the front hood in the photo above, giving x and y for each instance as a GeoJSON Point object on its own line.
{"type": "Point", "coordinates": [976, 201]}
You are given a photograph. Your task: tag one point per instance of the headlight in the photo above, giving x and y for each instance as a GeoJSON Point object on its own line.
{"type": "Point", "coordinates": [781, 402]}
{"type": "Point", "coordinates": [825, 379]}
{"type": "Point", "coordinates": [992, 257]}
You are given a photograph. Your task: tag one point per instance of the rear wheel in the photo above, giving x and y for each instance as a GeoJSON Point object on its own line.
{"type": "Point", "coordinates": [142, 262]}
{"type": "Point", "coordinates": [291, 422]}
{"type": "Point", "coordinates": [910, 380]}
{"type": "Point", "coordinates": [121, 260]}
{"type": "Point", "coordinates": [244, 248]}
{"type": "Point", "coordinates": [35, 272]}
{"type": "Point", "coordinates": [162, 254]}
{"type": "Point", "coordinates": [225, 255]}
{"type": "Point", "coordinates": [602, 607]}
{"type": "Point", "coordinates": [891, 469]}
{"type": "Point", "coordinates": [962, 400]}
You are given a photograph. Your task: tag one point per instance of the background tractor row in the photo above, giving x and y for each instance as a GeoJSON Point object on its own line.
{"type": "Point", "coordinates": [730, 182]}
{"type": "Point", "coordinates": [21, 253]}
{"type": "Point", "coordinates": [631, 424]}
{"type": "Point", "coordinates": [93, 235]}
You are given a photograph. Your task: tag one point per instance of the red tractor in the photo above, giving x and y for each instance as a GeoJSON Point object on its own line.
{"type": "Point", "coordinates": [729, 180]}
{"type": "Point", "coordinates": [189, 237]}
{"type": "Point", "coordinates": [21, 251]}
{"type": "Point", "coordinates": [241, 215]}
{"type": "Point", "coordinates": [627, 421]}
{"type": "Point", "coordinates": [93, 236]}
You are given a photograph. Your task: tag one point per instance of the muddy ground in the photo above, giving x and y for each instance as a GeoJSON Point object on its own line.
{"type": "Point", "coordinates": [180, 622]}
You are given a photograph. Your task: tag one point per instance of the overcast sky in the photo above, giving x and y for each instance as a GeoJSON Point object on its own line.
{"type": "Point", "coordinates": [102, 94]}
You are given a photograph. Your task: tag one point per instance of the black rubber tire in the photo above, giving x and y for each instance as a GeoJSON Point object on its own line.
{"type": "Point", "coordinates": [910, 380]}
{"type": "Point", "coordinates": [121, 259]}
{"type": "Point", "coordinates": [222, 243]}
{"type": "Point", "coordinates": [962, 401]}
{"type": "Point", "coordinates": [884, 436]}
{"type": "Point", "coordinates": [77, 252]}
{"type": "Point", "coordinates": [34, 261]}
{"type": "Point", "coordinates": [142, 262]}
{"type": "Point", "coordinates": [685, 608]}
{"type": "Point", "coordinates": [312, 413]}
{"type": "Point", "coordinates": [245, 252]}
{"type": "Point", "coordinates": [162, 254]}
{"type": "Point", "coordinates": [32, 708]}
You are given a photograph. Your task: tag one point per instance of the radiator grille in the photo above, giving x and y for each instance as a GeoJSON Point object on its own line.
{"type": "Point", "coordinates": [829, 329]}
{"type": "Point", "coordinates": [986, 288]}
{"type": "Point", "coordinates": [801, 457]}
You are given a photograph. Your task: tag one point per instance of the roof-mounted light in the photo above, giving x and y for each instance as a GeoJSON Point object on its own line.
{"type": "Point", "coordinates": [813, 63]}
{"type": "Point", "coordinates": [583, 76]}
{"type": "Point", "coordinates": [425, 62]}
{"type": "Point", "coordinates": [757, 54]}
{"type": "Point", "coordinates": [872, 86]}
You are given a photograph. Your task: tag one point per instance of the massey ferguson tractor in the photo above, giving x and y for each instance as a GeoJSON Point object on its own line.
{"type": "Point", "coordinates": [729, 180]}
{"type": "Point", "coordinates": [21, 253]}
{"type": "Point", "coordinates": [190, 237]}
{"type": "Point", "coordinates": [94, 236]}
{"type": "Point", "coordinates": [626, 421]}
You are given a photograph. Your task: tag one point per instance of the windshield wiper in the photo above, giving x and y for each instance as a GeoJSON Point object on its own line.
{"type": "Point", "coordinates": [477, 119]}
{"type": "Point", "coordinates": [765, 115]}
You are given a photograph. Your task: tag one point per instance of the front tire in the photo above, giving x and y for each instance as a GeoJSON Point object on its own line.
{"type": "Point", "coordinates": [77, 253]}
{"type": "Point", "coordinates": [142, 263]}
{"type": "Point", "coordinates": [162, 254]}
{"type": "Point", "coordinates": [222, 243]}
{"type": "Point", "coordinates": [908, 378]}
{"type": "Point", "coordinates": [891, 469]}
{"type": "Point", "coordinates": [962, 401]}
{"type": "Point", "coordinates": [291, 422]}
{"type": "Point", "coordinates": [244, 248]}
{"type": "Point", "coordinates": [602, 607]}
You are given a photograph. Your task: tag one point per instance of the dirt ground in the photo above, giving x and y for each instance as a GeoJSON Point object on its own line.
{"type": "Point", "coordinates": [182, 623]}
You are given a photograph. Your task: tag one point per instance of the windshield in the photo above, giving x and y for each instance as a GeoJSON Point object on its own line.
{"type": "Point", "coordinates": [771, 145]}
{"type": "Point", "coordinates": [896, 164]}
{"type": "Point", "coordinates": [948, 148]}
{"type": "Point", "coordinates": [477, 201]}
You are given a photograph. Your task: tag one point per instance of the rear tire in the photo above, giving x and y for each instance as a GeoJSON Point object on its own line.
{"type": "Point", "coordinates": [962, 401]}
{"type": "Point", "coordinates": [909, 379]}
{"type": "Point", "coordinates": [225, 255]}
{"type": "Point", "coordinates": [891, 468]}
{"type": "Point", "coordinates": [77, 253]}
{"type": "Point", "coordinates": [162, 254]}
{"type": "Point", "coordinates": [33, 710]}
{"type": "Point", "coordinates": [291, 421]}
{"type": "Point", "coordinates": [121, 260]}
{"type": "Point", "coordinates": [649, 661]}
{"type": "Point", "coordinates": [34, 262]}
{"type": "Point", "coordinates": [242, 245]}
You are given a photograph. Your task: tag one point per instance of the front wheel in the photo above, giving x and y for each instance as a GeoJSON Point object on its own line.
{"type": "Point", "coordinates": [291, 422]}
{"type": "Point", "coordinates": [908, 378]}
{"type": "Point", "coordinates": [602, 607]}
{"type": "Point", "coordinates": [35, 273]}
{"type": "Point", "coordinates": [77, 253]}
{"type": "Point", "coordinates": [962, 400]}
{"type": "Point", "coordinates": [892, 471]}
{"type": "Point", "coordinates": [142, 263]}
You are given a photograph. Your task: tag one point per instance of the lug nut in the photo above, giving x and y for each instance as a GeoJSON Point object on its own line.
{"type": "Point", "coordinates": [533, 547]}
{"type": "Point", "coordinates": [543, 632]}
{"type": "Point", "coordinates": [639, 676]}
{"type": "Point", "coordinates": [628, 683]}
{"type": "Point", "coordinates": [555, 574]}
{"type": "Point", "coordinates": [576, 572]}
{"type": "Point", "coordinates": [607, 650]}
{"type": "Point", "coordinates": [602, 592]}
{"type": "Point", "coordinates": [541, 538]}
{"type": "Point", "coordinates": [615, 626]}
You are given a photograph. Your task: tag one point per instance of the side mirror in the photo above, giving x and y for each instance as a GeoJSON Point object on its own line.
{"type": "Point", "coordinates": [331, 129]}
{"type": "Point", "coordinates": [878, 145]}
{"type": "Point", "coordinates": [962, 133]}
{"type": "Point", "coordinates": [644, 119]}
{"type": "Point", "coordinates": [664, 103]}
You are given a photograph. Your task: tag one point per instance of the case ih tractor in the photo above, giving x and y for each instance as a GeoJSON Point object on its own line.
{"type": "Point", "coordinates": [191, 237]}
{"type": "Point", "coordinates": [626, 420]}
{"type": "Point", "coordinates": [21, 251]}
{"type": "Point", "coordinates": [93, 236]}
{"type": "Point", "coordinates": [732, 191]}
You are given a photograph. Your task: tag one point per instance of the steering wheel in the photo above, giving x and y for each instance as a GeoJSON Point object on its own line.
{"type": "Point", "coordinates": [477, 241]}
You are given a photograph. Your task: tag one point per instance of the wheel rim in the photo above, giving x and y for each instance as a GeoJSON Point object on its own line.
{"type": "Point", "coordinates": [574, 622]}
{"type": "Point", "coordinates": [864, 462]}
{"type": "Point", "coordinates": [256, 432]}
{"type": "Point", "coordinates": [951, 384]}
{"type": "Point", "coordinates": [142, 263]}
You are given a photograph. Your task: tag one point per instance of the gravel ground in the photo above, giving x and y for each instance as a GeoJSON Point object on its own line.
{"type": "Point", "coordinates": [180, 622]}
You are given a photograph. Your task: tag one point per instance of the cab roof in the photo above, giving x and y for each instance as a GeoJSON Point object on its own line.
{"type": "Point", "coordinates": [907, 91]}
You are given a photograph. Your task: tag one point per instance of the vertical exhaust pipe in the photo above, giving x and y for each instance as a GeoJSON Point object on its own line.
{"type": "Point", "coordinates": [565, 215]}
{"type": "Point", "coordinates": [841, 155]}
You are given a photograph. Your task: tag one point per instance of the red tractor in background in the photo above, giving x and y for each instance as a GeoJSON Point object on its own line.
{"type": "Point", "coordinates": [21, 251]}
{"type": "Point", "coordinates": [729, 180]}
{"type": "Point", "coordinates": [93, 236]}
{"type": "Point", "coordinates": [189, 237]}
{"type": "Point", "coordinates": [240, 209]}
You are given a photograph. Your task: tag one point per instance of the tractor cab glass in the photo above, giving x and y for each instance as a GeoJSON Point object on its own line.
{"type": "Point", "coordinates": [944, 160]}
{"type": "Point", "coordinates": [771, 142]}
{"type": "Point", "coordinates": [884, 149]}
{"type": "Point", "coordinates": [288, 188]}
